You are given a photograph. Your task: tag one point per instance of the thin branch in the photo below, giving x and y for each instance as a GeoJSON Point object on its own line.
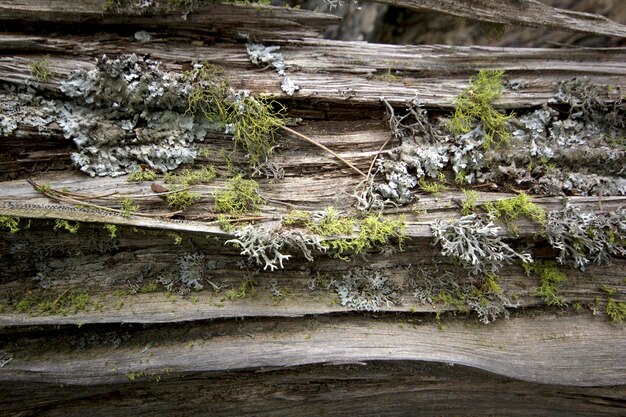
{"type": "Point", "coordinates": [319, 145]}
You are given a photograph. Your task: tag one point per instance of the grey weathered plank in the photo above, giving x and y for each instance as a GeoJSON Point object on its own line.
{"type": "Point", "coordinates": [531, 13]}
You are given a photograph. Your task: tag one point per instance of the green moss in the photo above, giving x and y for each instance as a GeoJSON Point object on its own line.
{"type": "Point", "coordinates": [190, 177]}
{"type": "Point", "coordinates": [112, 229]}
{"type": "Point", "coordinates": [128, 208]}
{"type": "Point", "coordinates": [615, 310]}
{"type": "Point", "coordinates": [297, 218]}
{"type": "Point", "coordinates": [10, 223]}
{"type": "Point", "coordinates": [225, 223]}
{"type": "Point", "coordinates": [240, 196]}
{"type": "Point", "coordinates": [178, 239]}
{"type": "Point", "coordinates": [65, 225]}
{"type": "Point", "coordinates": [182, 199]}
{"type": "Point", "coordinates": [512, 208]}
{"type": "Point", "coordinates": [245, 289]}
{"type": "Point", "coordinates": [40, 70]}
{"type": "Point", "coordinates": [469, 205]}
{"type": "Point", "coordinates": [551, 278]}
{"type": "Point", "coordinates": [68, 302]}
{"type": "Point", "coordinates": [389, 77]}
{"type": "Point", "coordinates": [431, 187]}
{"type": "Point", "coordinates": [474, 105]}
{"type": "Point", "coordinates": [461, 178]}
{"type": "Point", "coordinates": [142, 175]}
{"type": "Point", "coordinates": [374, 231]}
{"type": "Point", "coordinates": [490, 285]}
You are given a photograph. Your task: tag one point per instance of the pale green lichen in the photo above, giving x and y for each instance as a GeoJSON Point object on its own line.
{"type": "Point", "coordinates": [616, 310]}
{"type": "Point", "coordinates": [10, 223]}
{"type": "Point", "coordinates": [475, 105]}
{"type": "Point", "coordinates": [40, 70]}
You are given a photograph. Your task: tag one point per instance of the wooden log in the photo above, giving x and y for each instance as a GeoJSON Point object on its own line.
{"type": "Point", "coordinates": [530, 13]}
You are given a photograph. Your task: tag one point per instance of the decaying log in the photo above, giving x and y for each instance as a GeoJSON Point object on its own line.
{"type": "Point", "coordinates": [530, 13]}
{"type": "Point", "coordinates": [104, 308]}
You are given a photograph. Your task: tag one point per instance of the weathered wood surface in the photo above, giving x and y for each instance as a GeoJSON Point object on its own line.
{"type": "Point", "coordinates": [550, 349]}
{"type": "Point", "coordinates": [341, 73]}
{"type": "Point", "coordinates": [262, 355]}
{"type": "Point", "coordinates": [429, 389]}
{"type": "Point", "coordinates": [531, 13]}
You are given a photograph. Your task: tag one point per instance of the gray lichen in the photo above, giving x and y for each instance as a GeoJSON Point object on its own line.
{"type": "Point", "coordinates": [586, 237]}
{"type": "Point", "coordinates": [475, 243]}
{"type": "Point", "coordinates": [367, 289]}
{"type": "Point", "coordinates": [266, 246]}
{"type": "Point", "coordinates": [191, 274]}
{"type": "Point", "coordinates": [269, 55]}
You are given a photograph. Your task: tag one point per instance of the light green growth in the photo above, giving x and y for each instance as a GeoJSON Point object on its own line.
{"type": "Point", "coordinates": [616, 310]}
{"type": "Point", "coordinates": [469, 205]}
{"type": "Point", "coordinates": [551, 278]}
{"type": "Point", "coordinates": [452, 297]}
{"type": "Point", "coordinates": [189, 177]}
{"type": "Point", "coordinates": [374, 231]}
{"type": "Point", "coordinates": [178, 239]}
{"type": "Point", "coordinates": [10, 223]}
{"type": "Point", "coordinates": [461, 178]}
{"type": "Point", "coordinates": [389, 77]}
{"type": "Point", "coordinates": [512, 208]}
{"type": "Point", "coordinates": [297, 218]}
{"type": "Point", "coordinates": [607, 289]}
{"type": "Point", "coordinates": [112, 229]}
{"type": "Point", "coordinates": [490, 285]}
{"type": "Point", "coordinates": [225, 223]}
{"type": "Point", "coordinates": [431, 187]}
{"type": "Point", "coordinates": [210, 92]}
{"type": "Point", "coordinates": [203, 153]}
{"type": "Point", "coordinates": [140, 175]}
{"type": "Point", "coordinates": [111, 5]}
{"type": "Point", "coordinates": [128, 208]}
{"type": "Point", "coordinates": [474, 104]}
{"type": "Point", "coordinates": [40, 70]}
{"type": "Point", "coordinates": [254, 122]}
{"type": "Point", "coordinates": [182, 200]}
{"type": "Point", "coordinates": [65, 225]}
{"type": "Point", "coordinates": [240, 196]}
{"type": "Point", "coordinates": [68, 302]}
{"type": "Point", "coordinates": [333, 225]}
{"type": "Point", "coordinates": [135, 375]}
{"type": "Point", "coordinates": [245, 289]}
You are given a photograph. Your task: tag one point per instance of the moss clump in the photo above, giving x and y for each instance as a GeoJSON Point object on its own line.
{"type": "Point", "coordinates": [68, 302]}
{"type": "Point", "coordinates": [374, 231]}
{"type": "Point", "coordinates": [182, 199]}
{"type": "Point", "coordinates": [245, 289]}
{"type": "Point", "coordinates": [40, 70]}
{"type": "Point", "coordinates": [469, 205]}
{"type": "Point", "coordinates": [239, 196]}
{"type": "Point", "coordinates": [297, 218]}
{"type": "Point", "coordinates": [112, 229]}
{"type": "Point", "coordinates": [65, 225]}
{"type": "Point", "coordinates": [190, 177]}
{"type": "Point", "coordinates": [431, 187]}
{"type": "Point", "coordinates": [616, 310]}
{"type": "Point", "coordinates": [512, 208]}
{"type": "Point", "coordinates": [474, 105]}
{"type": "Point", "coordinates": [10, 223]}
{"type": "Point", "coordinates": [225, 223]}
{"type": "Point", "coordinates": [551, 278]}
{"type": "Point", "coordinates": [142, 175]}
{"type": "Point", "coordinates": [128, 208]}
